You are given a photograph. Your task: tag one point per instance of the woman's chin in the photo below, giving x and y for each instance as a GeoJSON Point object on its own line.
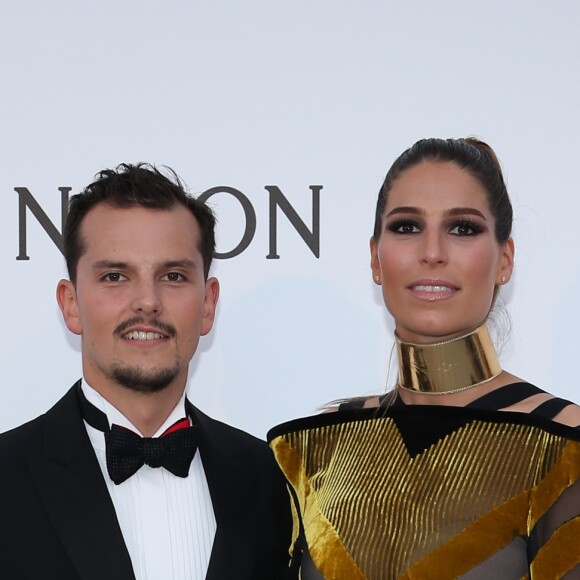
{"type": "Point", "coordinates": [432, 333]}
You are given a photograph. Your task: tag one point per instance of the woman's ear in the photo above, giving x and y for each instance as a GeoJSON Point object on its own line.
{"type": "Point", "coordinates": [506, 262]}
{"type": "Point", "coordinates": [375, 265]}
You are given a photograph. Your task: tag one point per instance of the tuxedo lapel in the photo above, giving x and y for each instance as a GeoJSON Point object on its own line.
{"type": "Point", "coordinates": [229, 486]}
{"type": "Point", "coordinates": [71, 486]}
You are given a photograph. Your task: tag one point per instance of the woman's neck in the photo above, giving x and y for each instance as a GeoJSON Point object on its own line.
{"type": "Point", "coordinates": [448, 370]}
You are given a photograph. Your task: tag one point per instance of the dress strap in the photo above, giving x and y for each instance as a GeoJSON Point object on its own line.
{"type": "Point", "coordinates": [505, 396]}
{"type": "Point", "coordinates": [550, 408]}
{"type": "Point", "coordinates": [385, 400]}
{"type": "Point", "coordinates": [353, 404]}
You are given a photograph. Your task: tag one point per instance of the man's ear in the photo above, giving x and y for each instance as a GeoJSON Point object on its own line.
{"type": "Point", "coordinates": [212, 292]}
{"type": "Point", "coordinates": [66, 296]}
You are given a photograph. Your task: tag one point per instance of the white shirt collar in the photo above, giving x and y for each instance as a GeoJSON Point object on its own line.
{"type": "Point", "coordinates": [114, 416]}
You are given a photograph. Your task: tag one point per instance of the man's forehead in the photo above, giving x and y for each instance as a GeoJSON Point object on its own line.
{"type": "Point", "coordinates": [105, 216]}
{"type": "Point", "coordinates": [172, 233]}
{"type": "Point", "coordinates": [108, 209]}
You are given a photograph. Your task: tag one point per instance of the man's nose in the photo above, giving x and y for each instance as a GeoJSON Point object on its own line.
{"type": "Point", "coordinates": [147, 299]}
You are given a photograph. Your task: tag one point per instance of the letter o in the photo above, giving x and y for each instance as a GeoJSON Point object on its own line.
{"type": "Point", "coordinates": [249, 214]}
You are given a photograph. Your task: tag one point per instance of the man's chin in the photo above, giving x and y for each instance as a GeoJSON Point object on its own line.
{"type": "Point", "coordinates": [141, 380]}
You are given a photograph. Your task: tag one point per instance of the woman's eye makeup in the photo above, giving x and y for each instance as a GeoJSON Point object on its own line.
{"type": "Point", "coordinates": [404, 226]}
{"type": "Point", "coordinates": [458, 227]}
{"type": "Point", "coordinates": [465, 228]}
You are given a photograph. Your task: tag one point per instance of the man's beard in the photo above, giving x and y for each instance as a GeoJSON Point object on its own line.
{"type": "Point", "coordinates": [140, 380]}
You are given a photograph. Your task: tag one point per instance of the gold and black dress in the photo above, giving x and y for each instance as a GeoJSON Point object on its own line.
{"type": "Point", "coordinates": [429, 491]}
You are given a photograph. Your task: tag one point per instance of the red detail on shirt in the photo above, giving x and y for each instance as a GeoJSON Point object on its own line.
{"type": "Point", "coordinates": [181, 424]}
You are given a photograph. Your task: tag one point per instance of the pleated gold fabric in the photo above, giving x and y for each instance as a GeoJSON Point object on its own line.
{"type": "Point", "coordinates": [376, 505]}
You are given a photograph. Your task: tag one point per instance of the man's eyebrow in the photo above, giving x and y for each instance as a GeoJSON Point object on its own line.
{"type": "Point", "coordinates": [110, 265]}
{"type": "Point", "coordinates": [118, 265]}
{"type": "Point", "coordinates": [185, 263]}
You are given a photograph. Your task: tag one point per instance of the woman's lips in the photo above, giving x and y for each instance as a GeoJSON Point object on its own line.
{"type": "Point", "coordinates": [433, 290]}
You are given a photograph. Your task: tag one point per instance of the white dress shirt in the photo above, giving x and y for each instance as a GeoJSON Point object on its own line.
{"type": "Point", "coordinates": [167, 522]}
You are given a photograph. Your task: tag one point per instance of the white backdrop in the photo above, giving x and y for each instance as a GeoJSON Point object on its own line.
{"type": "Point", "coordinates": [287, 93]}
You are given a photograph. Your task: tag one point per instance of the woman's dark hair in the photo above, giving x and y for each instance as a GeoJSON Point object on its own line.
{"type": "Point", "coordinates": [471, 154]}
{"type": "Point", "coordinates": [140, 185]}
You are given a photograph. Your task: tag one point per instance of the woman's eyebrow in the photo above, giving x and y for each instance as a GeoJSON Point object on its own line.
{"type": "Point", "coordinates": [406, 209]}
{"type": "Point", "coordinates": [464, 211]}
{"type": "Point", "coordinates": [448, 213]}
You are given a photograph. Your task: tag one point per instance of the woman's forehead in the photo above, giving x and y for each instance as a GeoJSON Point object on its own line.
{"type": "Point", "coordinates": [437, 185]}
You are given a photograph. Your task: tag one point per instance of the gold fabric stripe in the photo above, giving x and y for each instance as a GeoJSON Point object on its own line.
{"type": "Point", "coordinates": [325, 546]}
{"type": "Point", "coordinates": [560, 554]}
{"type": "Point", "coordinates": [476, 544]}
{"type": "Point", "coordinates": [564, 472]}
{"type": "Point", "coordinates": [295, 524]}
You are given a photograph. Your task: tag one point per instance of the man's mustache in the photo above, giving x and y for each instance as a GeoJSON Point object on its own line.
{"type": "Point", "coordinates": [157, 324]}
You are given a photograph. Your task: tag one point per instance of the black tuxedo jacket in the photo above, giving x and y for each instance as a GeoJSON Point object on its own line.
{"type": "Point", "coordinates": [57, 521]}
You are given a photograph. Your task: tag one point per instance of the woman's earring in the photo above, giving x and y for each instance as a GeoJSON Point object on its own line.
{"type": "Point", "coordinates": [377, 279]}
{"type": "Point", "coordinates": [503, 279]}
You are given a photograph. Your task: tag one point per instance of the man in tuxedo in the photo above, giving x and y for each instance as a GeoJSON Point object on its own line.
{"type": "Point", "coordinates": [124, 478]}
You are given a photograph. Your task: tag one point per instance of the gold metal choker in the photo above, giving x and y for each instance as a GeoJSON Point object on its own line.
{"type": "Point", "coordinates": [448, 367]}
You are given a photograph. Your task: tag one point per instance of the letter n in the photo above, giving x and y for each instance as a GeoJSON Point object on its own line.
{"type": "Point", "coordinates": [27, 200]}
{"type": "Point", "coordinates": [311, 237]}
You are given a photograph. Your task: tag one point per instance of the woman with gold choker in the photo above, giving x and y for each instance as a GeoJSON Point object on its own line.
{"type": "Point", "coordinates": [463, 470]}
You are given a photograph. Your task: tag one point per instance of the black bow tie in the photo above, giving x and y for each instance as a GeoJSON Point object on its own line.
{"type": "Point", "coordinates": [127, 452]}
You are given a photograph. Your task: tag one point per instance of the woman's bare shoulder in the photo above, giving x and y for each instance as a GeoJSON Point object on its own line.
{"type": "Point", "coordinates": [563, 411]}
